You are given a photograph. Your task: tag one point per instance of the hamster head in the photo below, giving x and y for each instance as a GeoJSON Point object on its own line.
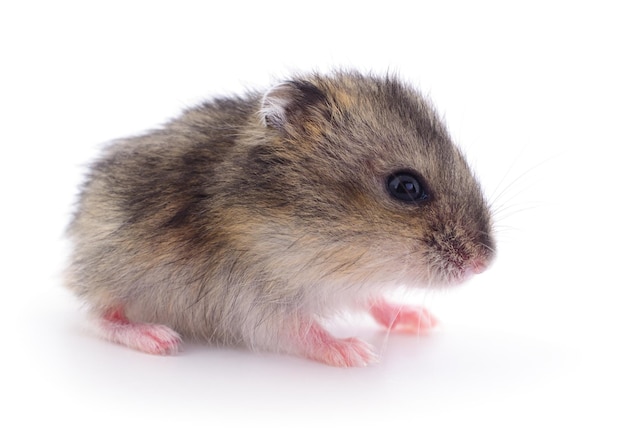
{"type": "Point", "coordinates": [360, 182]}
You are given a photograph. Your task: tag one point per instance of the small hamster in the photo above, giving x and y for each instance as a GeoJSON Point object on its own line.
{"type": "Point", "coordinates": [250, 220]}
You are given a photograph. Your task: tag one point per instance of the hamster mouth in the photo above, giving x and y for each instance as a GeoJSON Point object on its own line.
{"type": "Point", "coordinates": [452, 261]}
{"type": "Point", "coordinates": [445, 273]}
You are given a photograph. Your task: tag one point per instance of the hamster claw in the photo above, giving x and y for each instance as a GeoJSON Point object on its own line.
{"type": "Point", "coordinates": [319, 345]}
{"type": "Point", "coordinates": [144, 337]}
{"type": "Point", "coordinates": [403, 318]}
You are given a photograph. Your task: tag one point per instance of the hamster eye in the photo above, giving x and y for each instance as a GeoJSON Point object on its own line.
{"type": "Point", "coordinates": [407, 187]}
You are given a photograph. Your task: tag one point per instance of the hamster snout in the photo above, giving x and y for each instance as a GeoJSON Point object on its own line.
{"type": "Point", "coordinates": [455, 257]}
{"type": "Point", "coordinates": [247, 220]}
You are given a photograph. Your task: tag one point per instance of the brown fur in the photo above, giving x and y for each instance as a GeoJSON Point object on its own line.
{"type": "Point", "coordinates": [246, 215]}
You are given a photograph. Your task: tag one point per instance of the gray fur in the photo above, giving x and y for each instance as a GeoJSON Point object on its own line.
{"type": "Point", "coordinates": [247, 215]}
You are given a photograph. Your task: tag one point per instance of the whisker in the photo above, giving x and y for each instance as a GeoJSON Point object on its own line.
{"type": "Point", "coordinates": [506, 174]}
{"type": "Point", "coordinates": [488, 247]}
{"type": "Point", "coordinates": [498, 194]}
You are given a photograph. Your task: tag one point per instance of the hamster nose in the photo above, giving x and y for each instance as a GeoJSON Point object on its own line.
{"type": "Point", "coordinates": [477, 266]}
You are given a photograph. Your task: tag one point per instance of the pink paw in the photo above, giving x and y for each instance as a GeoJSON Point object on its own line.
{"type": "Point", "coordinates": [402, 318]}
{"type": "Point", "coordinates": [319, 345]}
{"type": "Point", "coordinates": [145, 337]}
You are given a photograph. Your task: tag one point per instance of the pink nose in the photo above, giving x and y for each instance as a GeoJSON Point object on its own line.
{"type": "Point", "coordinates": [478, 265]}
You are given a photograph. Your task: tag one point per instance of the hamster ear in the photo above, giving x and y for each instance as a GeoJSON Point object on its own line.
{"type": "Point", "coordinates": [290, 102]}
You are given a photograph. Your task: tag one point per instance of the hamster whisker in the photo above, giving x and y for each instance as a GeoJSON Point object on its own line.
{"type": "Point", "coordinates": [506, 189]}
{"type": "Point", "coordinates": [507, 211]}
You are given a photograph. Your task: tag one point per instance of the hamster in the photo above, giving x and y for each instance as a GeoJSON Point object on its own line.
{"type": "Point", "coordinates": [250, 220]}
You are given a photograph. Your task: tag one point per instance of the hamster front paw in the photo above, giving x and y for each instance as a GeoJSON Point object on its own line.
{"type": "Point", "coordinates": [319, 345]}
{"type": "Point", "coordinates": [402, 318]}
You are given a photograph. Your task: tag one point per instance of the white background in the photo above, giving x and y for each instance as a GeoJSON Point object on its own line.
{"type": "Point", "coordinates": [532, 91]}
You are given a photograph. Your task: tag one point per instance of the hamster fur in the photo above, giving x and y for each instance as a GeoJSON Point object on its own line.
{"type": "Point", "coordinates": [247, 220]}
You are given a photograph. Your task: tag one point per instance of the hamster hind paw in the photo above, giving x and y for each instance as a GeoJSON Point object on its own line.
{"type": "Point", "coordinates": [403, 318]}
{"type": "Point", "coordinates": [144, 337]}
{"type": "Point", "coordinates": [320, 346]}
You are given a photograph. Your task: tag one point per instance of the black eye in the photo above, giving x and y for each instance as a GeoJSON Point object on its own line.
{"type": "Point", "coordinates": [406, 186]}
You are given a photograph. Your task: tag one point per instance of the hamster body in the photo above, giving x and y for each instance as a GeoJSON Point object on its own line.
{"type": "Point", "coordinates": [247, 220]}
